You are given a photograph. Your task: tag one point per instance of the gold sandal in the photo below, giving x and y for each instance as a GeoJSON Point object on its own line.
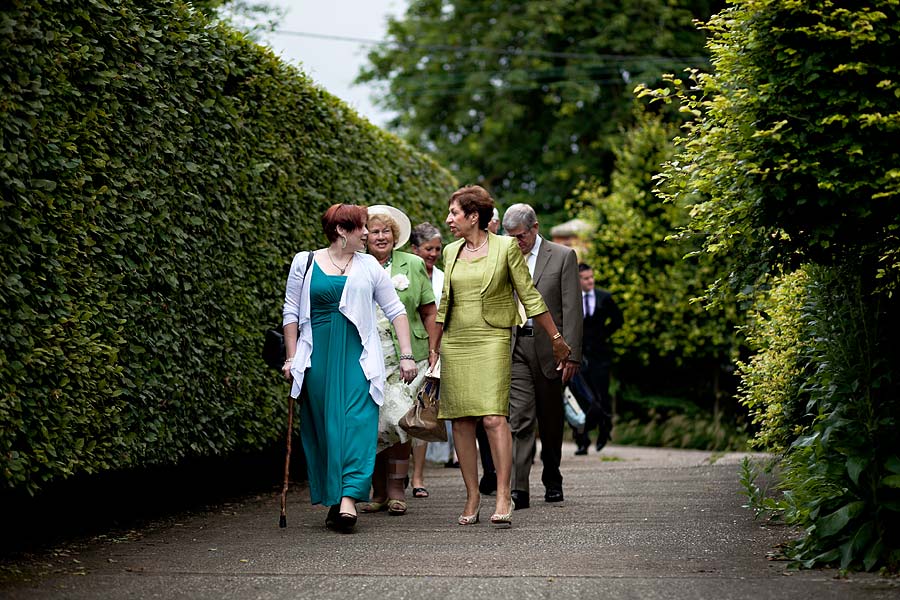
{"type": "Point", "coordinates": [372, 507]}
{"type": "Point", "coordinates": [396, 507]}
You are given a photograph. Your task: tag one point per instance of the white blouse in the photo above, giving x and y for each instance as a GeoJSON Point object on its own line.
{"type": "Point", "coordinates": [437, 284]}
{"type": "Point", "coordinates": [367, 283]}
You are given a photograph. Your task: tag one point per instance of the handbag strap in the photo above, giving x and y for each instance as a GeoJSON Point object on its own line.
{"type": "Point", "coordinates": [309, 259]}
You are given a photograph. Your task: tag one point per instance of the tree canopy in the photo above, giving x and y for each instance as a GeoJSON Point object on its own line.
{"type": "Point", "coordinates": [527, 98]}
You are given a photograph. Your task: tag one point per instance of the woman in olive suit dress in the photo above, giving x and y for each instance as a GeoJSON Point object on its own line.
{"type": "Point", "coordinates": [477, 311]}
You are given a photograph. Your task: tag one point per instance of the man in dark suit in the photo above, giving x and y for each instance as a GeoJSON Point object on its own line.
{"type": "Point", "coordinates": [602, 318]}
{"type": "Point", "coordinates": [535, 393]}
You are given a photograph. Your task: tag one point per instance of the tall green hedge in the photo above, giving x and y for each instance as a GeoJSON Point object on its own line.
{"type": "Point", "coordinates": [158, 172]}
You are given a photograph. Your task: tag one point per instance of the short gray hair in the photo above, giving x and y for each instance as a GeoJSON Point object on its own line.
{"type": "Point", "coordinates": [423, 232]}
{"type": "Point", "coordinates": [519, 215]}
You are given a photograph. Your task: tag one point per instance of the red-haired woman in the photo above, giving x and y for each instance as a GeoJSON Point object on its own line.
{"type": "Point", "coordinates": [333, 349]}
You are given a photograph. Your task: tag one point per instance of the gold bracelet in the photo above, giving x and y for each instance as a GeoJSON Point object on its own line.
{"type": "Point", "coordinates": [438, 352]}
{"type": "Point", "coordinates": [556, 336]}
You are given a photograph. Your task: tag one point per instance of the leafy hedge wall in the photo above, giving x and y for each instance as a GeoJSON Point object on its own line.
{"type": "Point", "coordinates": [158, 172]}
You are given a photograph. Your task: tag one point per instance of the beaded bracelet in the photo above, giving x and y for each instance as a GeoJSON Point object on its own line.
{"type": "Point", "coordinates": [407, 357]}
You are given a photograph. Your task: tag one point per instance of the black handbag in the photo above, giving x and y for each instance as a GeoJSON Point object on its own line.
{"type": "Point", "coordinates": [273, 350]}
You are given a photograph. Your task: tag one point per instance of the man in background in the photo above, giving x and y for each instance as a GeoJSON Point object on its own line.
{"type": "Point", "coordinates": [602, 318]}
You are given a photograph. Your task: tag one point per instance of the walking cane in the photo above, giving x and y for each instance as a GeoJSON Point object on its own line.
{"type": "Point", "coordinates": [282, 522]}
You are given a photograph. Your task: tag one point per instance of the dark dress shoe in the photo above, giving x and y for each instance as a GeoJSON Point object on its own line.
{"type": "Point", "coordinates": [488, 484]}
{"type": "Point", "coordinates": [553, 495]}
{"type": "Point", "coordinates": [581, 451]}
{"type": "Point", "coordinates": [520, 498]}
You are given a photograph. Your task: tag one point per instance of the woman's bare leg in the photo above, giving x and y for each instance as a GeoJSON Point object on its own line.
{"type": "Point", "coordinates": [466, 450]}
{"type": "Point", "coordinates": [418, 476]}
{"type": "Point", "coordinates": [500, 439]}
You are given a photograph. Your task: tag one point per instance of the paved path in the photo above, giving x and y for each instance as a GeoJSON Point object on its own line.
{"type": "Point", "coordinates": [637, 523]}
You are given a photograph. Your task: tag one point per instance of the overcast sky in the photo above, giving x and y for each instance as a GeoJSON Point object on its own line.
{"type": "Point", "coordinates": [334, 64]}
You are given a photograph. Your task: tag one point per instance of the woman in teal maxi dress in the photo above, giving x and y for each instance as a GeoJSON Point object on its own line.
{"type": "Point", "coordinates": [334, 356]}
{"type": "Point", "coordinates": [338, 420]}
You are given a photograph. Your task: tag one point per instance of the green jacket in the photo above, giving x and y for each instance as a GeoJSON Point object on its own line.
{"type": "Point", "coordinates": [418, 292]}
{"type": "Point", "coordinates": [506, 272]}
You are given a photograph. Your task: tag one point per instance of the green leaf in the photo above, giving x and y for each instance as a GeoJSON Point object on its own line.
{"type": "Point", "coordinates": [891, 481]}
{"type": "Point", "coordinates": [892, 464]}
{"type": "Point", "coordinates": [855, 466]}
{"type": "Point", "coordinates": [833, 523]}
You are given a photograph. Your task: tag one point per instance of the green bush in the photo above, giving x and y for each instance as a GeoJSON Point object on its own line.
{"type": "Point", "coordinates": [791, 162]}
{"type": "Point", "coordinates": [772, 378]}
{"type": "Point", "coordinates": [158, 172]}
{"type": "Point", "coordinates": [842, 472]}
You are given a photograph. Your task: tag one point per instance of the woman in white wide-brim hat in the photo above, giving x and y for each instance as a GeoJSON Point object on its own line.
{"type": "Point", "coordinates": [389, 229]}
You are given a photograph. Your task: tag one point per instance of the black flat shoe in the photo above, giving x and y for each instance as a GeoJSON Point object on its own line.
{"type": "Point", "coordinates": [339, 521]}
{"type": "Point", "coordinates": [346, 522]}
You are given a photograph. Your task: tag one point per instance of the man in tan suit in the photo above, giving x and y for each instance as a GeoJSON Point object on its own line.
{"type": "Point", "coordinates": [535, 394]}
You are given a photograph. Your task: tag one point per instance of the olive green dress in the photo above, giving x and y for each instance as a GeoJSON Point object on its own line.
{"type": "Point", "coordinates": [473, 384]}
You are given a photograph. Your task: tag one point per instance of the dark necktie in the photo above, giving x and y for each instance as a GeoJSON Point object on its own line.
{"type": "Point", "coordinates": [587, 307]}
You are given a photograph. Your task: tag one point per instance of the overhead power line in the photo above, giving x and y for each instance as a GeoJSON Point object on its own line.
{"type": "Point", "coordinates": [497, 51]}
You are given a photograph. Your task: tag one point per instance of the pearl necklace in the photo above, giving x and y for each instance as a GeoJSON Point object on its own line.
{"type": "Point", "coordinates": [336, 266]}
{"type": "Point", "coordinates": [479, 247]}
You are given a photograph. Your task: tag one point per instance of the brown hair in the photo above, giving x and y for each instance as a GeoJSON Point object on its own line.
{"type": "Point", "coordinates": [348, 216]}
{"type": "Point", "coordinates": [475, 199]}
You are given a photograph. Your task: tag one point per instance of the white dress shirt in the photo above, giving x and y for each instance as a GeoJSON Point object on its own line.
{"type": "Point", "coordinates": [588, 297]}
{"type": "Point", "coordinates": [531, 260]}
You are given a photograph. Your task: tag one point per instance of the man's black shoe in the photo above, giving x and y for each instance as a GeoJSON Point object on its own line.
{"type": "Point", "coordinates": [488, 484]}
{"type": "Point", "coordinates": [553, 495]}
{"type": "Point", "coordinates": [581, 451]}
{"type": "Point", "coordinates": [520, 498]}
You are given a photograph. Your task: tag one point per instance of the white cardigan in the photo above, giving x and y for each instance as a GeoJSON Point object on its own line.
{"type": "Point", "coordinates": [367, 282]}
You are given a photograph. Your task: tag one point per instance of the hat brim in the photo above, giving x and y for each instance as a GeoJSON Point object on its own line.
{"type": "Point", "coordinates": [399, 217]}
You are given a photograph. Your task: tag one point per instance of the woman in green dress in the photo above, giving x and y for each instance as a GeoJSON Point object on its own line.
{"type": "Point", "coordinates": [478, 310]}
{"type": "Point", "coordinates": [389, 229]}
{"type": "Point", "coordinates": [333, 352]}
